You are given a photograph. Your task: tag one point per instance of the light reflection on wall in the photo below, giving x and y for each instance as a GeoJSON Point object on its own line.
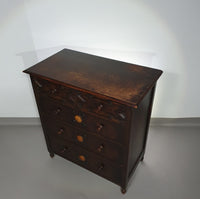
{"type": "Point", "coordinates": [123, 30]}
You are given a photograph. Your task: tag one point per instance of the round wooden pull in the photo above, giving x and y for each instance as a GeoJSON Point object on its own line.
{"type": "Point", "coordinates": [81, 98]}
{"type": "Point", "coordinates": [82, 158]}
{"type": "Point", "coordinates": [79, 138]}
{"type": "Point", "coordinates": [100, 148]}
{"type": "Point", "coordinates": [78, 118]}
{"type": "Point", "coordinates": [60, 131]}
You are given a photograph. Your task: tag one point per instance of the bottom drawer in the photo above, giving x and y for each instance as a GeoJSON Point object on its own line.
{"type": "Point", "coordinates": [86, 159]}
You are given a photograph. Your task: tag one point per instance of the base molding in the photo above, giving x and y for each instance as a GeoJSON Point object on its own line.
{"type": "Point", "coordinates": [32, 121]}
{"type": "Point", "coordinates": [35, 121]}
{"type": "Point", "coordinates": [194, 121]}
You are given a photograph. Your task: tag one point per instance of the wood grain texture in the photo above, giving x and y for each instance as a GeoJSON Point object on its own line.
{"type": "Point", "coordinates": [120, 81]}
{"type": "Point", "coordinates": [81, 100]}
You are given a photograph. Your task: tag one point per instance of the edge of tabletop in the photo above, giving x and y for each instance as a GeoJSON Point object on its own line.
{"type": "Point", "coordinates": [128, 103]}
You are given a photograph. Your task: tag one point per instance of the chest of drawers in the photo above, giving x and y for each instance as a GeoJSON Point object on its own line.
{"type": "Point", "coordinates": [95, 111]}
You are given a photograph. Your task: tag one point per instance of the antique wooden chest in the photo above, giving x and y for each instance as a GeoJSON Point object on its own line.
{"type": "Point", "coordinates": [95, 111]}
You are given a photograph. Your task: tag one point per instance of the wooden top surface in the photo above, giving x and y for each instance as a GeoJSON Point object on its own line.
{"type": "Point", "coordinates": [120, 81]}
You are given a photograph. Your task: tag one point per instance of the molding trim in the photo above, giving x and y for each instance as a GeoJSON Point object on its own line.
{"type": "Point", "coordinates": [195, 121]}
{"type": "Point", "coordinates": [8, 121]}
{"type": "Point", "coordinates": [35, 121]}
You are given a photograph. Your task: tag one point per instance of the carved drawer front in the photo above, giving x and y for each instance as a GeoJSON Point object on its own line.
{"type": "Point", "coordinates": [111, 151]}
{"type": "Point", "coordinates": [108, 109]}
{"type": "Point", "coordinates": [86, 159]}
{"type": "Point", "coordinates": [77, 118]}
{"type": "Point", "coordinates": [81, 100]}
{"type": "Point", "coordinates": [48, 88]}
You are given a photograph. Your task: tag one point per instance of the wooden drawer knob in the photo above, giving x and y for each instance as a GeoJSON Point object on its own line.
{"type": "Point", "coordinates": [79, 138]}
{"type": "Point", "coordinates": [101, 167]}
{"type": "Point", "coordinates": [122, 115]}
{"type": "Point", "coordinates": [99, 107]}
{"type": "Point", "coordinates": [99, 127]}
{"type": "Point", "coordinates": [81, 98]}
{"type": "Point", "coordinates": [58, 110]}
{"type": "Point", "coordinates": [72, 99]}
{"type": "Point", "coordinates": [38, 83]}
{"type": "Point", "coordinates": [78, 118]}
{"type": "Point", "coordinates": [64, 149]}
{"type": "Point", "coordinates": [53, 91]}
{"type": "Point", "coordinates": [100, 148]}
{"type": "Point", "coordinates": [82, 158]}
{"type": "Point", "coordinates": [60, 131]}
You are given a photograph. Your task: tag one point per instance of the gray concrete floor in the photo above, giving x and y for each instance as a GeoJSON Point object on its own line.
{"type": "Point", "coordinates": [171, 168]}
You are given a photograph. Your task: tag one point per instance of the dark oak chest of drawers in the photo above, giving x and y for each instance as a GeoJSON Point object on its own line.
{"type": "Point", "coordinates": [95, 111]}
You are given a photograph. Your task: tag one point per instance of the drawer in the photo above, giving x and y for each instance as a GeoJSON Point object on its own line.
{"type": "Point", "coordinates": [71, 97]}
{"type": "Point", "coordinates": [108, 109]}
{"type": "Point", "coordinates": [96, 144]}
{"type": "Point", "coordinates": [48, 88]}
{"type": "Point", "coordinates": [81, 100]}
{"type": "Point", "coordinates": [86, 159]}
{"type": "Point", "coordinates": [98, 126]}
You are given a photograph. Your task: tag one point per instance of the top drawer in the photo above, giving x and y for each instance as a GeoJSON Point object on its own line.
{"type": "Point", "coordinates": [81, 100]}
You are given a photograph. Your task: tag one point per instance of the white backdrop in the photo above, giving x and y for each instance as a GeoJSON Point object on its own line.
{"type": "Point", "coordinates": [159, 34]}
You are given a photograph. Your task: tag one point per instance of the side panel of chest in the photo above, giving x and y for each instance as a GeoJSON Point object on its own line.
{"type": "Point", "coordinates": [139, 131]}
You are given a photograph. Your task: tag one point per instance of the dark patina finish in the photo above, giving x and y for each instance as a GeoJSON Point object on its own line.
{"type": "Point", "coordinates": [95, 111]}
